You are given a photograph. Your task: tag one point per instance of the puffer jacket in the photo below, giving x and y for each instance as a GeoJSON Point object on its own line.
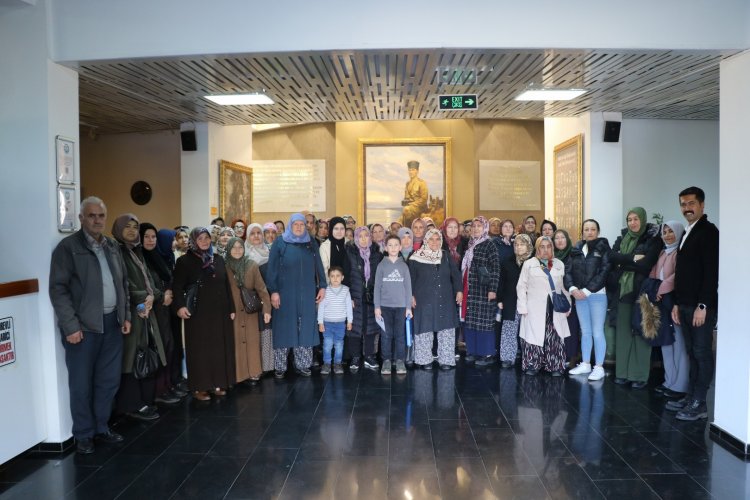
{"type": "Point", "coordinates": [362, 291]}
{"type": "Point", "coordinates": [649, 245]}
{"type": "Point", "coordinates": [588, 271]}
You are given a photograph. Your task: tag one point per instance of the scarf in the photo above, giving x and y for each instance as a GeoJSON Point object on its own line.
{"type": "Point", "coordinates": [416, 242]}
{"type": "Point", "coordinates": [469, 255]}
{"type": "Point", "coordinates": [537, 244]}
{"type": "Point", "coordinates": [500, 223]}
{"type": "Point", "coordinates": [235, 221]}
{"type": "Point", "coordinates": [132, 246]}
{"type": "Point", "coordinates": [222, 250]}
{"type": "Point", "coordinates": [164, 242]}
{"type": "Point", "coordinates": [452, 243]}
{"type": "Point", "coordinates": [520, 259]}
{"type": "Point", "coordinates": [338, 250]}
{"type": "Point", "coordinates": [562, 254]}
{"type": "Point", "coordinates": [364, 252]}
{"type": "Point", "coordinates": [153, 257]}
{"type": "Point", "coordinates": [206, 256]}
{"type": "Point", "coordinates": [405, 250]}
{"type": "Point", "coordinates": [289, 237]}
{"type": "Point", "coordinates": [425, 254]}
{"type": "Point", "coordinates": [678, 230]}
{"type": "Point", "coordinates": [257, 253]}
{"type": "Point", "coordinates": [238, 267]}
{"type": "Point", "coordinates": [627, 246]}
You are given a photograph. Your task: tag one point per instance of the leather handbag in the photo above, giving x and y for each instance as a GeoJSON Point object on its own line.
{"type": "Point", "coordinates": [191, 296]}
{"type": "Point", "coordinates": [251, 300]}
{"type": "Point", "coordinates": [146, 361]}
{"type": "Point", "coordinates": [560, 302]}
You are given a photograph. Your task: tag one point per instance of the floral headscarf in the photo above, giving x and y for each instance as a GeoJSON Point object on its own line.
{"type": "Point", "coordinates": [425, 254]}
{"type": "Point", "coordinates": [206, 256]}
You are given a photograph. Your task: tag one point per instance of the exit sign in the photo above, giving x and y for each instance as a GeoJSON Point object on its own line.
{"type": "Point", "coordinates": [453, 102]}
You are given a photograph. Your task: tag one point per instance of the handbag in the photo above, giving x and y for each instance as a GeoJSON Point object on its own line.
{"type": "Point", "coordinates": [250, 300]}
{"type": "Point", "coordinates": [266, 350]}
{"type": "Point", "coordinates": [560, 302]}
{"type": "Point", "coordinates": [191, 296]}
{"type": "Point", "coordinates": [146, 358]}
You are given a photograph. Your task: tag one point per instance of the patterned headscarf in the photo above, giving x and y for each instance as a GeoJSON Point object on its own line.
{"type": "Point", "coordinates": [289, 236]}
{"type": "Point", "coordinates": [222, 250]}
{"type": "Point", "coordinates": [524, 238]}
{"type": "Point", "coordinates": [469, 255]}
{"type": "Point", "coordinates": [364, 252]}
{"type": "Point", "coordinates": [425, 254]}
{"type": "Point", "coordinates": [206, 256]}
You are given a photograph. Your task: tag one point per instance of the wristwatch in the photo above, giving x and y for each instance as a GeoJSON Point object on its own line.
{"type": "Point", "coordinates": [701, 306]}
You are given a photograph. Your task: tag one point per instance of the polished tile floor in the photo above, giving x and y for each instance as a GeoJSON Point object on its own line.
{"type": "Point", "coordinates": [470, 433]}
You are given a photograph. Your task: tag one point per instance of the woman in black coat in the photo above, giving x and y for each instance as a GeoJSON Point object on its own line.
{"type": "Point", "coordinates": [510, 270]}
{"type": "Point", "coordinates": [633, 255]}
{"type": "Point", "coordinates": [436, 289]}
{"type": "Point", "coordinates": [363, 257]}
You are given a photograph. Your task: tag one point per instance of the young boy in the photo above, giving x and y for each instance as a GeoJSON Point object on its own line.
{"type": "Point", "coordinates": [334, 314]}
{"type": "Point", "coordinates": [393, 304]}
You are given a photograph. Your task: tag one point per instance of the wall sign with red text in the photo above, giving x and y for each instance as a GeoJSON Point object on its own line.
{"type": "Point", "coordinates": [7, 342]}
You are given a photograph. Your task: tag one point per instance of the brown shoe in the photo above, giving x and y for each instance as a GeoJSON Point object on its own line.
{"type": "Point", "coordinates": [201, 396]}
{"type": "Point", "coordinates": [219, 392]}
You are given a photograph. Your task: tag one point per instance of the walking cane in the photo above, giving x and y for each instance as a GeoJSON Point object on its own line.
{"type": "Point", "coordinates": [184, 354]}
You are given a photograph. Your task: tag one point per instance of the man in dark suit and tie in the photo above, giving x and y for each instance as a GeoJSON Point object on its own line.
{"type": "Point", "coordinates": [696, 300]}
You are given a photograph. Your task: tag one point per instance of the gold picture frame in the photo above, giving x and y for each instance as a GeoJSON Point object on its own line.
{"type": "Point", "coordinates": [568, 178]}
{"type": "Point", "coordinates": [235, 191]}
{"type": "Point", "coordinates": [383, 177]}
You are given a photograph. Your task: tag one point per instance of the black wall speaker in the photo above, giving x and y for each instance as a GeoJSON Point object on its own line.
{"type": "Point", "coordinates": [188, 140]}
{"type": "Point", "coordinates": [611, 131]}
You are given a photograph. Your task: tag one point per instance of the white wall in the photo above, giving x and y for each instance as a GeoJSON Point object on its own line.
{"type": "Point", "coordinates": [105, 29]}
{"type": "Point", "coordinates": [662, 157]}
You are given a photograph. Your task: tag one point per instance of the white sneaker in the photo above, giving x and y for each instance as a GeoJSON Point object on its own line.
{"type": "Point", "coordinates": [581, 369]}
{"type": "Point", "coordinates": [597, 374]}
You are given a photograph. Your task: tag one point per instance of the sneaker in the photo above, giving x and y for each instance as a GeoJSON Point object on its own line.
{"type": "Point", "coordinates": [386, 369]}
{"type": "Point", "coordinates": [326, 369]}
{"type": "Point", "coordinates": [304, 372]}
{"type": "Point", "coordinates": [354, 365]}
{"type": "Point", "coordinates": [695, 410]}
{"type": "Point", "coordinates": [581, 369]}
{"type": "Point", "coordinates": [596, 374]}
{"type": "Point", "coordinates": [677, 405]}
{"type": "Point", "coordinates": [338, 369]}
{"type": "Point", "coordinates": [167, 398]}
{"type": "Point", "coordinates": [371, 363]}
{"type": "Point", "coordinates": [145, 414]}
{"type": "Point", "coordinates": [400, 367]}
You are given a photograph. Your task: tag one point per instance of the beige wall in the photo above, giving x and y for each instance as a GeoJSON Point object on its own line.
{"type": "Point", "coordinates": [110, 164]}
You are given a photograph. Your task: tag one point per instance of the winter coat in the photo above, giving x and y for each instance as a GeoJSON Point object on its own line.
{"type": "Point", "coordinates": [434, 287]}
{"type": "Point", "coordinates": [480, 312]}
{"type": "Point", "coordinates": [463, 244]}
{"type": "Point", "coordinates": [649, 245]}
{"type": "Point", "coordinates": [588, 271]}
{"type": "Point", "coordinates": [295, 272]}
{"type": "Point", "coordinates": [504, 251]}
{"type": "Point", "coordinates": [509, 273]}
{"type": "Point", "coordinates": [362, 291]}
{"type": "Point", "coordinates": [534, 291]}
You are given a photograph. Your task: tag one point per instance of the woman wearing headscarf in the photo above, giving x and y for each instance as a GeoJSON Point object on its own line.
{"type": "Point", "coordinates": [270, 231]}
{"type": "Point", "coordinates": [543, 330]}
{"type": "Point", "coordinates": [181, 242]}
{"type": "Point", "coordinates": [136, 397]}
{"type": "Point", "coordinates": [209, 338]}
{"type": "Point", "coordinates": [495, 225]}
{"type": "Point", "coordinates": [585, 279]}
{"type": "Point", "coordinates": [161, 275]}
{"type": "Point", "coordinates": [255, 247]}
{"type": "Point", "coordinates": [633, 255]}
{"type": "Point", "coordinates": [674, 354]}
{"type": "Point", "coordinates": [481, 275]}
{"type": "Point", "coordinates": [529, 228]}
{"type": "Point", "coordinates": [418, 228]}
{"type": "Point", "coordinates": [378, 236]}
{"type": "Point", "coordinates": [165, 239]}
{"type": "Point", "coordinates": [453, 242]}
{"type": "Point", "coordinates": [240, 228]}
{"type": "Point", "coordinates": [359, 275]}
{"type": "Point", "coordinates": [245, 272]}
{"type": "Point", "coordinates": [563, 247]}
{"type": "Point", "coordinates": [225, 233]}
{"type": "Point", "coordinates": [436, 289]}
{"type": "Point", "coordinates": [296, 282]}
{"type": "Point", "coordinates": [510, 270]}
{"type": "Point", "coordinates": [333, 249]}
{"type": "Point", "coordinates": [213, 230]}
{"type": "Point", "coordinates": [407, 242]}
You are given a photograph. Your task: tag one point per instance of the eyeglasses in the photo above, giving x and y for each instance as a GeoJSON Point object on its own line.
{"type": "Point", "coordinates": [239, 226]}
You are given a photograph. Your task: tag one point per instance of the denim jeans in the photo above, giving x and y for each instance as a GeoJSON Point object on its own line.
{"type": "Point", "coordinates": [333, 337]}
{"type": "Point", "coordinates": [395, 330]}
{"type": "Point", "coordinates": [592, 311]}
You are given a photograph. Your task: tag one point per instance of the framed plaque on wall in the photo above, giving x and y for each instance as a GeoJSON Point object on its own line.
{"type": "Point", "coordinates": [568, 185]}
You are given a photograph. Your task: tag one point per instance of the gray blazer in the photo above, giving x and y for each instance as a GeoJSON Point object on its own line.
{"type": "Point", "coordinates": [75, 285]}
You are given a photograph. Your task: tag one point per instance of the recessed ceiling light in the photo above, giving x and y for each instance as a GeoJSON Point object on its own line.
{"type": "Point", "coordinates": [239, 99]}
{"type": "Point", "coordinates": [259, 127]}
{"type": "Point", "coordinates": [549, 94]}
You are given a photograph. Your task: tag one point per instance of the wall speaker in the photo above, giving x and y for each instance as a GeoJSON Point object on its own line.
{"type": "Point", "coordinates": [187, 138]}
{"type": "Point", "coordinates": [611, 131]}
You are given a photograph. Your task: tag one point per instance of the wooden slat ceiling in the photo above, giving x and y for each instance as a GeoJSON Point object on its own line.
{"type": "Point", "coordinates": [307, 87]}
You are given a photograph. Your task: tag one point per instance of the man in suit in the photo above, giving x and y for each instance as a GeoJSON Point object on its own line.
{"type": "Point", "coordinates": [696, 300]}
{"type": "Point", "coordinates": [88, 287]}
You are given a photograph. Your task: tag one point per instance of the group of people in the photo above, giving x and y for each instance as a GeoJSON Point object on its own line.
{"type": "Point", "coordinates": [340, 296]}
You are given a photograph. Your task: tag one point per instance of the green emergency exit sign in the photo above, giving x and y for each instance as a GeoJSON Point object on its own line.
{"type": "Point", "coordinates": [454, 102]}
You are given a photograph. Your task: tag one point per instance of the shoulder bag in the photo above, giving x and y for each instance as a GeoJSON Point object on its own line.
{"type": "Point", "coordinates": [146, 358]}
{"type": "Point", "coordinates": [560, 302]}
{"type": "Point", "coordinates": [250, 300]}
{"type": "Point", "coordinates": [191, 296]}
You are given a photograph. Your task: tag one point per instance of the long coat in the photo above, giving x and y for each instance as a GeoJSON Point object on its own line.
{"type": "Point", "coordinates": [509, 274]}
{"type": "Point", "coordinates": [361, 289]}
{"type": "Point", "coordinates": [295, 272]}
{"type": "Point", "coordinates": [434, 287]}
{"type": "Point", "coordinates": [137, 289]}
{"type": "Point", "coordinates": [246, 325]}
{"type": "Point", "coordinates": [534, 291]}
{"type": "Point", "coordinates": [209, 339]}
{"type": "Point", "coordinates": [480, 312]}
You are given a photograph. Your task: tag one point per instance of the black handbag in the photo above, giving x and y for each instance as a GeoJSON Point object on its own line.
{"type": "Point", "coordinates": [250, 300]}
{"type": "Point", "coordinates": [560, 302]}
{"type": "Point", "coordinates": [146, 358]}
{"type": "Point", "coordinates": [191, 296]}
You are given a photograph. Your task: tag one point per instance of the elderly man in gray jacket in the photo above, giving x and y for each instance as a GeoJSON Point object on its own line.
{"type": "Point", "coordinates": [88, 287]}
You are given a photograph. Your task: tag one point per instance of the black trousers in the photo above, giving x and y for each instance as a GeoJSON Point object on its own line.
{"type": "Point", "coordinates": [94, 368]}
{"type": "Point", "coordinates": [699, 346]}
{"type": "Point", "coordinates": [353, 346]}
{"type": "Point", "coordinates": [134, 394]}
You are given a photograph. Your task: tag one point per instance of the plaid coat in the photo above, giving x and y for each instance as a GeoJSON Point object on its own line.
{"type": "Point", "coordinates": [480, 312]}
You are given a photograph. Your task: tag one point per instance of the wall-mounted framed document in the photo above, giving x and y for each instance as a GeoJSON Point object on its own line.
{"type": "Point", "coordinates": [66, 208]}
{"type": "Point", "coordinates": [65, 159]}
{"type": "Point", "coordinates": [568, 185]}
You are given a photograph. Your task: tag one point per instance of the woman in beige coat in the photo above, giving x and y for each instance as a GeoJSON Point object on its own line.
{"type": "Point", "coordinates": [542, 329]}
{"type": "Point", "coordinates": [246, 326]}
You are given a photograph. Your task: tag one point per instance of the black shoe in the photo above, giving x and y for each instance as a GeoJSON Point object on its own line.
{"type": "Point", "coordinates": [303, 372]}
{"type": "Point", "coordinates": [446, 368]}
{"type": "Point", "coordinates": [427, 367]}
{"type": "Point", "coordinates": [677, 405]}
{"type": "Point", "coordinates": [469, 358]}
{"type": "Point", "coordinates": [85, 446]}
{"type": "Point", "coordinates": [507, 364]}
{"type": "Point", "coordinates": [371, 363]}
{"type": "Point", "coordinates": [354, 365]}
{"type": "Point", "coordinates": [673, 394]}
{"type": "Point", "coordinates": [110, 437]}
{"type": "Point", "coordinates": [621, 381]}
{"type": "Point", "coordinates": [638, 385]}
{"type": "Point", "coordinates": [146, 414]}
{"type": "Point", "coordinates": [660, 389]}
{"type": "Point", "coordinates": [556, 373]}
{"type": "Point", "coordinates": [531, 372]}
{"type": "Point", "coordinates": [485, 361]}
{"type": "Point", "coordinates": [176, 391]}
{"type": "Point", "coordinates": [693, 411]}
{"type": "Point", "coordinates": [167, 398]}
{"type": "Point", "coordinates": [279, 374]}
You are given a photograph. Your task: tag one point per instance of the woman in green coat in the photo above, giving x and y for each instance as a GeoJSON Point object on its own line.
{"type": "Point", "coordinates": [136, 396]}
